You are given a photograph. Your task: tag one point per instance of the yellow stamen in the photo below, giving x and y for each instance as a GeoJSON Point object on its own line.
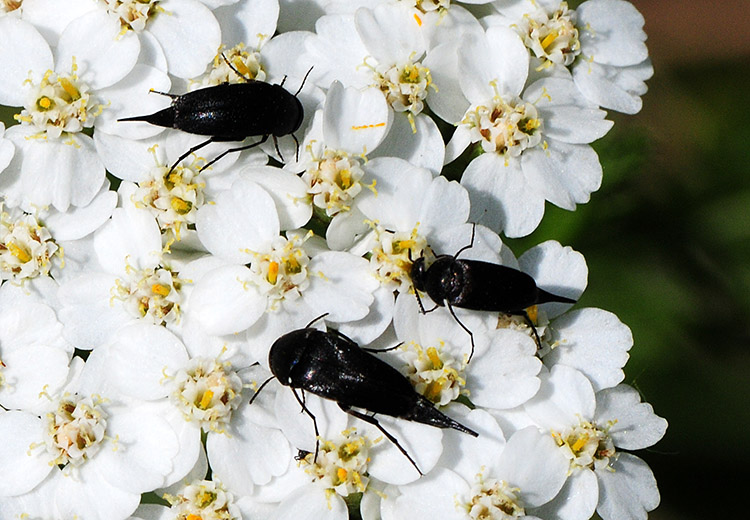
{"type": "Point", "coordinates": [19, 252]}
{"type": "Point", "coordinates": [346, 179]}
{"type": "Point", "coordinates": [418, 19]}
{"type": "Point", "coordinates": [549, 39]}
{"type": "Point", "coordinates": [533, 313]}
{"type": "Point", "coordinates": [434, 389]}
{"type": "Point", "coordinates": [292, 265]}
{"type": "Point", "coordinates": [341, 474]}
{"type": "Point", "coordinates": [437, 363]}
{"type": "Point", "coordinates": [273, 272]}
{"type": "Point", "coordinates": [194, 517]}
{"type": "Point", "coordinates": [44, 103]}
{"type": "Point", "coordinates": [160, 289]}
{"type": "Point", "coordinates": [206, 400]}
{"type": "Point", "coordinates": [70, 89]}
{"type": "Point", "coordinates": [181, 206]}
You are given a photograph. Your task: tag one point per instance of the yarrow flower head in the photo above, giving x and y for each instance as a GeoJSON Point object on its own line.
{"type": "Point", "coordinates": [205, 499]}
{"type": "Point", "coordinates": [75, 429]}
{"type": "Point", "coordinates": [207, 391]}
{"type": "Point", "coordinates": [27, 248]}
{"type": "Point", "coordinates": [60, 104]}
{"type": "Point", "coordinates": [341, 464]}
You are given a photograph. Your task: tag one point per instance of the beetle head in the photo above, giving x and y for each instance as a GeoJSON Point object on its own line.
{"type": "Point", "coordinates": [286, 352]}
{"type": "Point", "coordinates": [419, 273]}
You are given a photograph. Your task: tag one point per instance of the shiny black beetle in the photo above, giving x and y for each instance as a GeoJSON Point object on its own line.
{"type": "Point", "coordinates": [333, 366]}
{"type": "Point", "coordinates": [231, 112]}
{"type": "Point", "coordinates": [479, 286]}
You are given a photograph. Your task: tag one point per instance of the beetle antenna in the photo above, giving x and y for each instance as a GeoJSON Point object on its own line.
{"type": "Point", "coordinates": [303, 81]}
{"type": "Point", "coordinates": [171, 96]}
{"type": "Point", "coordinates": [260, 388]}
{"type": "Point", "coordinates": [234, 69]}
{"type": "Point", "coordinates": [471, 243]}
{"type": "Point", "coordinates": [315, 422]}
{"type": "Point", "coordinates": [316, 319]}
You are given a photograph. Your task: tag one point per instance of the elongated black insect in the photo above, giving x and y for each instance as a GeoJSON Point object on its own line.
{"type": "Point", "coordinates": [479, 286]}
{"type": "Point", "coordinates": [332, 366]}
{"type": "Point", "coordinates": [231, 112]}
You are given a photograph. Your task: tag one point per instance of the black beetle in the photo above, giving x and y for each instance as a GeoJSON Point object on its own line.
{"type": "Point", "coordinates": [479, 286]}
{"type": "Point", "coordinates": [332, 366]}
{"type": "Point", "coordinates": [231, 112]}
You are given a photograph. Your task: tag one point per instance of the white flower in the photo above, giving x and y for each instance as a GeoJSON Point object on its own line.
{"type": "Point", "coordinates": [56, 164]}
{"type": "Point", "coordinates": [111, 451]}
{"type": "Point", "coordinates": [128, 279]}
{"type": "Point", "coordinates": [482, 477]}
{"type": "Point", "coordinates": [175, 36]}
{"type": "Point", "coordinates": [533, 139]}
{"type": "Point", "coordinates": [383, 47]}
{"type": "Point", "coordinates": [588, 428]}
{"type": "Point", "coordinates": [601, 43]}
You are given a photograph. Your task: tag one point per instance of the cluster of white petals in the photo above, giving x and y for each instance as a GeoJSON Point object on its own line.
{"type": "Point", "coordinates": [144, 276]}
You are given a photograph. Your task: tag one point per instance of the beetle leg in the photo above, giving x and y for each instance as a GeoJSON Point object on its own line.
{"type": "Point", "coordinates": [471, 243]}
{"type": "Point", "coordinates": [421, 307]}
{"type": "Point", "coordinates": [372, 420]}
{"type": "Point", "coordinates": [379, 350]}
{"type": "Point", "coordinates": [237, 149]}
{"type": "Point", "coordinates": [315, 422]}
{"type": "Point", "coordinates": [276, 145]}
{"type": "Point", "coordinates": [530, 323]}
{"type": "Point", "coordinates": [471, 334]}
{"type": "Point", "coordinates": [192, 150]}
{"type": "Point", "coordinates": [260, 388]}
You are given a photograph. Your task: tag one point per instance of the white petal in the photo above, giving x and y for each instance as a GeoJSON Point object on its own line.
{"type": "Point", "coordinates": [422, 442]}
{"type": "Point", "coordinates": [505, 375]}
{"type": "Point", "coordinates": [341, 285]}
{"type": "Point", "coordinates": [31, 375]}
{"type": "Point", "coordinates": [148, 445]}
{"type": "Point", "coordinates": [189, 35]}
{"type": "Point", "coordinates": [567, 115]}
{"type": "Point", "coordinates": [593, 341]}
{"type": "Point", "coordinates": [354, 120]}
{"type": "Point", "coordinates": [628, 492]}
{"type": "Point", "coordinates": [448, 102]}
{"type": "Point", "coordinates": [431, 497]}
{"type": "Point", "coordinates": [288, 191]}
{"type": "Point", "coordinates": [252, 22]}
{"type": "Point", "coordinates": [564, 399]}
{"type": "Point", "coordinates": [243, 220]}
{"type": "Point", "coordinates": [558, 269]}
{"type": "Point", "coordinates": [613, 32]}
{"type": "Point", "coordinates": [566, 174]}
{"type": "Point", "coordinates": [337, 52]}
{"type": "Point", "coordinates": [636, 426]}
{"type": "Point", "coordinates": [96, 44]}
{"type": "Point", "coordinates": [501, 199]}
{"type": "Point", "coordinates": [311, 502]}
{"type": "Point", "coordinates": [140, 356]}
{"type": "Point", "coordinates": [298, 427]}
{"type": "Point", "coordinates": [130, 240]}
{"type": "Point", "coordinates": [23, 51]}
{"type": "Point", "coordinates": [23, 468]}
{"type": "Point", "coordinates": [616, 88]}
{"type": "Point", "coordinates": [390, 34]}
{"type": "Point", "coordinates": [576, 500]}
{"type": "Point", "coordinates": [225, 301]}
{"type": "Point", "coordinates": [90, 496]}
{"type": "Point", "coordinates": [247, 454]}
{"type": "Point", "coordinates": [465, 454]}
{"type": "Point", "coordinates": [532, 462]}
{"type": "Point", "coordinates": [423, 148]}
{"type": "Point", "coordinates": [76, 223]}
{"type": "Point", "coordinates": [89, 314]}
{"type": "Point", "coordinates": [133, 97]}
{"type": "Point", "coordinates": [367, 329]}
{"type": "Point", "coordinates": [61, 172]}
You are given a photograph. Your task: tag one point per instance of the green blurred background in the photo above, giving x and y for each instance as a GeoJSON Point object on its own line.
{"type": "Point", "coordinates": [667, 241]}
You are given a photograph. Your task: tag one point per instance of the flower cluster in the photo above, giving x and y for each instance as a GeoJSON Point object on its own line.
{"type": "Point", "coordinates": [143, 283]}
